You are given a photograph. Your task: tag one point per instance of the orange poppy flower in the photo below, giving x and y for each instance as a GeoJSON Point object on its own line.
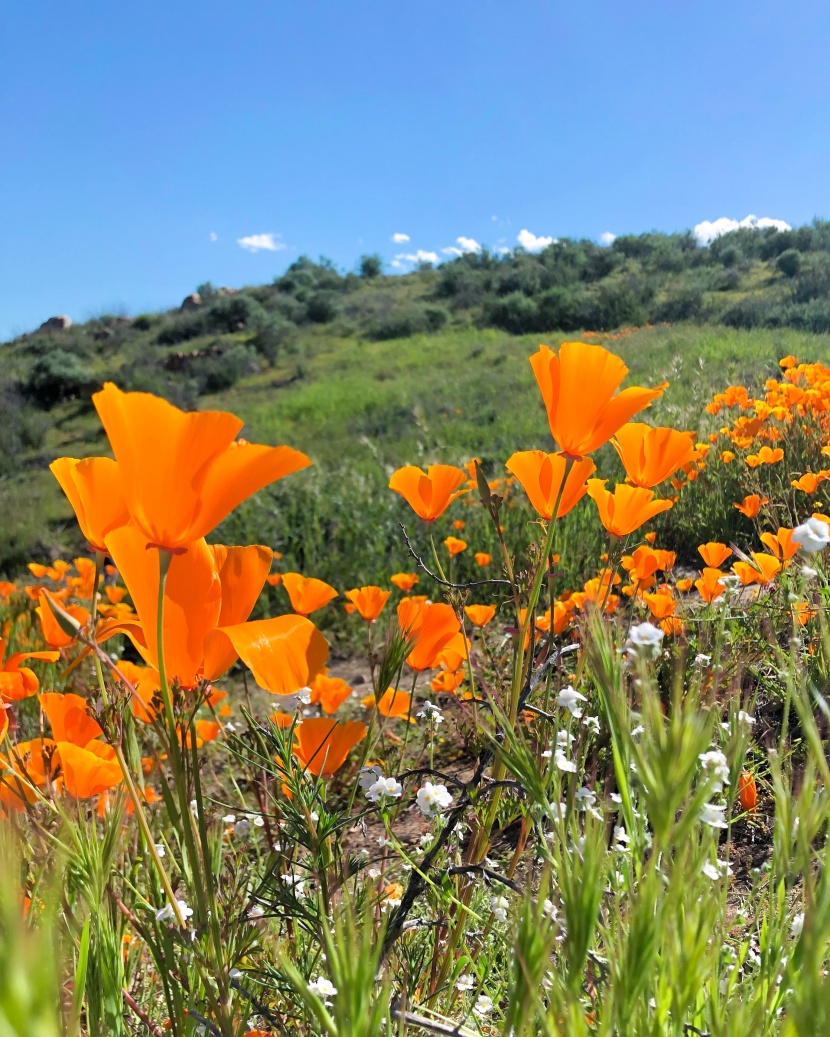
{"type": "Point", "coordinates": [454, 653]}
{"type": "Point", "coordinates": [19, 682]}
{"type": "Point", "coordinates": [329, 692]}
{"type": "Point", "coordinates": [764, 570]}
{"type": "Point", "coordinates": [541, 477]}
{"type": "Point", "coordinates": [281, 720]}
{"type": "Point", "coordinates": [710, 585]}
{"type": "Point", "coordinates": [803, 613]}
{"type": "Point", "coordinates": [727, 456]}
{"type": "Point", "coordinates": [146, 684]}
{"type": "Point", "coordinates": [482, 558]}
{"type": "Point", "coordinates": [207, 587]}
{"type": "Point", "coordinates": [89, 770]}
{"type": "Point", "coordinates": [747, 792]}
{"type": "Point", "coordinates": [455, 546]}
{"type": "Point", "coordinates": [307, 594]}
{"type": "Point", "coordinates": [284, 654]}
{"type": "Point", "coordinates": [53, 633]}
{"type": "Point", "coordinates": [808, 483]}
{"type": "Point", "coordinates": [651, 455]}
{"type": "Point", "coordinates": [430, 627]}
{"type": "Point", "coordinates": [404, 581]}
{"type": "Point", "coordinates": [96, 492]}
{"type": "Point", "coordinates": [368, 601]}
{"type": "Point", "coordinates": [579, 388]}
{"type": "Point", "coordinates": [751, 505]}
{"type": "Point", "coordinates": [661, 606]}
{"type": "Point", "coordinates": [714, 554]}
{"type": "Point", "coordinates": [627, 508]}
{"type": "Point", "coordinates": [114, 595]}
{"type": "Point", "coordinates": [429, 493]}
{"type": "Point", "coordinates": [480, 615]}
{"type": "Point", "coordinates": [322, 745]}
{"type": "Point", "coordinates": [273, 579]}
{"type": "Point", "coordinates": [685, 584]}
{"type": "Point", "coordinates": [69, 717]}
{"type": "Point", "coordinates": [766, 455]}
{"type": "Point", "coordinates": [393, 703]}
{"type": "Point", "coordinates": [29, 766]}
{"type": "Point", "coordinates": [447, 682]}
{"type": "Point", "coordinates": [781, 543]}
{"type": "Point", "coordinates": [184, 472]}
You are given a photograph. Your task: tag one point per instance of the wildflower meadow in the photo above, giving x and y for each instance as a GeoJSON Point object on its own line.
{"type": "Point", "coordinates": [566, 772]}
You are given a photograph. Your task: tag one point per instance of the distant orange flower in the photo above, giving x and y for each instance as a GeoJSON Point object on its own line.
{"type": "Point", "coordinates": [482, 558]}
{"type": "Point", "coordinates": [480, 615]}
{"type": "Point", "coordinates": [16, 681]}
{"type": "Point", "coordinates": [763, 569]}
{"type": "Point", "coordinates": [430, 627]}
{"type": "Point", "coordinates": [273, 579]}
{"type": "Point", "coordinates": [660, 605]}
{"type": "Point", "coordinates": [751, 505]}
{"type": "Point", "coordinates": [284, 654]}
{"type": "Point", "coordinates": [714, 554]}
{"type": "Point", "coordinates": [766, 455]}
{"type": "Point", "coordinates": [393, 703]}
{"type": "Point", "coordinates": [627, 508]}
{"type": "Point", "coordinates": [727, 456]}
{"type": "Point", "coordinates": [368, 601]}
{"type": "Point", "coordinates": [447, 682]}
{"type": "Point", "coordinates": [541, 477]}
{"type": "Point", "coordinates": [651, 455]}
{"type": "Point", "coordinates": [650, 537]}
{"type": "Point", "coordinates": [579, 389]}
{"type": "Point", "coordinates": [747, 792]}
{"type": "Point", "coordinates": [459, 524]}
{"type": "Point", "coordinates": [329, 692]}
{"type": "Point", "coordinates": [710, 585]}
{"type": "Point", "coordinates": [162, 451]}
{"type": "Point", "coordinates": [96, 492]}
{"type": "Point", "coordinates": [429, 493]}
{"type": "Point", "coordinates": [404, 581]}
{"type": "Point", "coordinates": [809, 482]}
{"type": "Point", "coordinates": [53, 634]}
{"type": "Point", "coordinates": [322, 745]}
{"type": "Point", "coordinates": [29, 766]}
{"type": "Point", "coordinates": [455, 546]}
{"type": "Point", "coordinates": [685, 584]}
{"type": "Point", "coordinates": [307, 594]}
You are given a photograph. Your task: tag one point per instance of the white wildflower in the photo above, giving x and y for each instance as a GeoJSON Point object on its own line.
{"type": "Point", "coordinates": [499, 906]}
{"type": "Point", "coordinates": [483, 1006]}
{"type": "Point", "coordinates": [384, 788]}
{"type": "Point", "coordinates": [432, 799]}
{"type": "Point", "coordinates": [464, 983]}
{"type": "Point", "coordinates": [431, 713]}
{"type": "Point", "coordinates": [568, 699]}
{"type": "Point", "coordinates": [323, 987]}
{"type": "Point", "coordinates": [168, 914]}
{"type": "Point", "coordinates": [713, 814]}
{"type": "Point", "coordinates": [644, 637]}
{"type": "Point", "coordinates": [812, 535]}
{"type": "Point", "coordinates": [716, 766]}
{"type": "Point", "coordinates": [797, 925]}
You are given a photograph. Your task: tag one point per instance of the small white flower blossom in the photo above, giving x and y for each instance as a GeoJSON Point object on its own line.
{"type": "Point", "coordinates": [568, 699]}
{"type": "Point", "coordinates": [564, 738]}
{"type": "Point", "coordinates": [797, 925]}
{"type": "Point", "coordinates": [160, 850]}
{"type": "Point", "coordinates": [716, 766]}
{"type": "Point", "coordinates": [464, 983]}
{"type": "Point", "coordinates": [563, 763]}
{"type": "Point", "coordinates": [242, 827]}
{"type": "Point", "coordinates": [229, 819]}
{"type": "Point", "coordinates": [592, 723]}
{"type": "Point", "coordinates": [808, 572]}
{"type": "Point", "coordinates": [644, 637]}
{"type": "Point", "coordinates": [812, 535]}
{"type": "Point", "coordinates": [167, 913]}
{"type": "Point", "coordinates": [384, 788]}
{"type": "Point", "coordinates": [483, 1006]}
{"type": "Point", "coordinates": [367, 776]}
{"type": "Point", "coordinates": [713, 815]}
{"type": "Point", "coordinates": [499, 906]}
{"type": "Point", "coordinates": [702, 660]}
{"type": "Point", "coordinates": [431, 713]}
{"type": "Point", "coordinates": [432, 799]}
{"type": "Point", "coordinates": [256, 911]}
{"type": "Point", "coordinates": [638, 730]}
{"type": "Point", "coordinates": [585, 798]}
{"type": "Point", "coordinates": [745, 720]}
{"type": "Point", "coordinates": [621, 839]}
{"type": "Point", "coordinates": [323, 987]}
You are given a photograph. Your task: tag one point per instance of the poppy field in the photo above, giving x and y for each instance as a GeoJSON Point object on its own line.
{"type": "Point", "coordinates": [560, 768]}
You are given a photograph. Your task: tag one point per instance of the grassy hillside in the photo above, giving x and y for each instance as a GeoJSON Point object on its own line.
{"type": "Point", "coordinates": [366, 373]}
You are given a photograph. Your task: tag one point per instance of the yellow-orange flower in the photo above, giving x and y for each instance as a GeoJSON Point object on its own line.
{"type": "Point", "coordinates": [429, 493]}
{"type": "Point", "coordinates": [541, 476]}
{"type": "Point", "coordinates": [710, 585]}
{"type": "Point", "coordinates": [430, 627]}
{"type": "Point", "coordinates": [404, 581]}
{"type": "Point", "coordinates": [53, 634]}
{"type": "Point", "coordinates": [393, 703]}
{"type": "Point", "coordinates": [16, 681]}
{"type": "Point", "coordinates": [183, 473]}
{"type": "Point", "coordinates": [781, 543]}
{"type": "Point", "coordinates": [368, 601]}
{"type": "Point", "coordinates": [482, 558]}
{"type": "Point", "coordinates": [322, 745]}
{"type": "Point", "coordinates": [579, 388]}
{"type": "Point", "coordinates": [751, 505]}
{"type": "Point", "coordinates": [651, 455]}
{"type": "Point", "coordinates": [328, 692]}
{"type": "Point", "coordinates": [764, 570]}
{"type": "Point", "coordinates": [284, 654]}
{"type": "Point", "coordinates": [455, 546]}
{"type": "Point", "coordinates": [714, 554]}
{"type": "Point", "coordinates": [809, 482]}
{"type": "Point", "coordinates": [306, 593]}
{"type": "Point", "coordinates": [627, 508]}
{"type": "Point", "coordinates": [480, 615]}
{"type": "Point", "coordinates": [766, 455]}
{"type": "Point", "coordinates": [96, 492]}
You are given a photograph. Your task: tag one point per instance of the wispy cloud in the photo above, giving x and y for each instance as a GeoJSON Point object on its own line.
{"type": "Point", "coordinates": [261, 243]}
{"type": "Point", "coordinates": [415, 257]}
{"type": "Point", "coordinates": [533, 243]}
{"type": "Point", "coordinates": [707, 230]}
{"type": "Point", "coordinates": [607, 238]}
{"type": "Point", "coordinates": [461, 246]}
{"type": "Point", "coordinates": [400, 239]}
{"type": "Point", "coordinates": [213, 236]}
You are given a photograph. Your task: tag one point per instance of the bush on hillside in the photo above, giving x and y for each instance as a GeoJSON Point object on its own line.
{"type": "Point", "coordinates": [56, 377]}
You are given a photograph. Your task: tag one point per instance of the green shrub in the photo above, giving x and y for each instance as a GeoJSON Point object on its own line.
{"type": "Point", "coordinates": [233, 313]}
{"type": "Point", "coordinates": [371, 266]}
{"type": "Point", "coordinates": [271, 336]}
{"type": "Point", "coordinates": [789, 262]}
{"type": "Point", "coordinates": [323, 307]}
{"type": "Point", "coordinates": [55, 377]}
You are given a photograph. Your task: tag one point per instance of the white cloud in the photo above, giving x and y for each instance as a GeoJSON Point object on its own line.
{"type": "Point", "coordinates": [417, 257]}
{"type": "Point", "coordinates": [607, 238]}
{"type": "Point", "coordinates": [451, 250]}
{"type": "Point", "coordinates": [400, 239]}
{"type": "Point", "coordinates": [213, 236]}
{"type": "Point", "coordinates": [531, 242]}
{"type": "Point", "coordinates": [468, 244]}
{"type": "Point", "coordinates": [708, 230]}
{"type": "Point", "coordinates": [502, 250]}
{"type": "Point", "coordinates": [260, 243]}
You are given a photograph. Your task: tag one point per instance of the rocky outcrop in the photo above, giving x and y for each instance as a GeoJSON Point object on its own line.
{"type": "Point", "coordinates": [59, 323]}
{"type": "Point", "coordinates": [191, 302]}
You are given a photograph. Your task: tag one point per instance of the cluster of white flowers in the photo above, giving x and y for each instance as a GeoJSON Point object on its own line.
{"type": "Point", "coordinates": [431, 713]}
{"type": "Point", "coordinates": [376, 786]}
{"type": "Point", "coordinates": [716, 767]}
{"type": "Point", "coordinates": [432, 799]}
{"type": "Point", "coordinates": [720, 869]}
{"type": "Point", "coordinates": [499, 907]}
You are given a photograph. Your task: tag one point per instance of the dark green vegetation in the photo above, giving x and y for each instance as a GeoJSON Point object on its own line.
{"type": "Point", "coordinates": [367, 372]}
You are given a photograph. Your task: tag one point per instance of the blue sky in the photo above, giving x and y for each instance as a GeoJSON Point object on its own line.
{"type": "Point", "coordinates": [135, 133]}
